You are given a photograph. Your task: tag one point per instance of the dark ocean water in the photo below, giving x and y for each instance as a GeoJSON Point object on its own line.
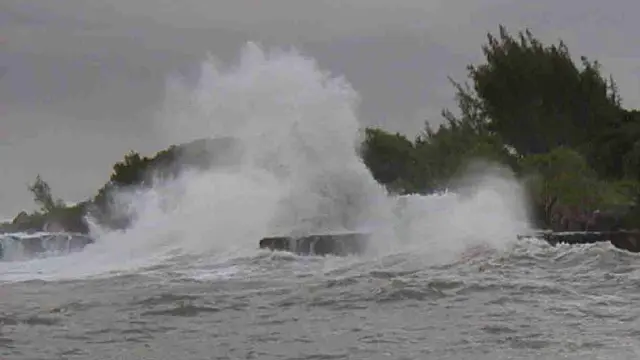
{"type": "Point", "coordinates": [528, 301]}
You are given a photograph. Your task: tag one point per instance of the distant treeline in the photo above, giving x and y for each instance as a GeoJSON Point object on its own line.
{"type": "Point", "coordinates": [558, 125]}
{"type": "Point", "coordinates": [133, 172]}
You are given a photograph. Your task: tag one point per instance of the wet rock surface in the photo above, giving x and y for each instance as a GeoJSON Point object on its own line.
{"type": "Point", "coordinates": [318, 244]}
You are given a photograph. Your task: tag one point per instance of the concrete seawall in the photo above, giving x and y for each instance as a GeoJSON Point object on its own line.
{"type": "Point", "coordinates": [342, 244]}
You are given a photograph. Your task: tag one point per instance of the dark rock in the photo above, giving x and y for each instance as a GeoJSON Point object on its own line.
{"type": "Point", "coordinates": [341, 244]}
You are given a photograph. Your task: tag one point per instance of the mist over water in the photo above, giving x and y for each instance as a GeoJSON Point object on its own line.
{"type": "Point", "coordinates": [299, 173]}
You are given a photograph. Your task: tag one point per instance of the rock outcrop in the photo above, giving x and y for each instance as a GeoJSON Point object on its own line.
{"type": "Point", "coordinates": [341, 244]}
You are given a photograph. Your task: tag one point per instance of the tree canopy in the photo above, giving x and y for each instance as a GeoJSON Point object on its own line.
{"type": "Point", "coordinates": [559, 125]}
{"type": "Point", "coordinates": [537, 99]}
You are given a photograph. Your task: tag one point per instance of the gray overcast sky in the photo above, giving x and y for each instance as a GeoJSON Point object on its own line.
{"type": "Point", "coordinates": [70, 120]}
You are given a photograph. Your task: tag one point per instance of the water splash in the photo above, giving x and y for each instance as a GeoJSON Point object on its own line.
{"type": "Point", "coordinates": [485, 208]}
{"type": "Point", "coordinates": [299, 172]}
{"type": "Point", "coordinates": [299, 133]}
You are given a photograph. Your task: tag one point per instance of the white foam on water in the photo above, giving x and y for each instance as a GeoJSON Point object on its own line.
{"type": "Point", "coordinates": [487, 210]}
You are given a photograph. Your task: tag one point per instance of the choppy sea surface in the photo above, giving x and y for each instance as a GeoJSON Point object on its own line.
{"type": "Point", "coordinates": [527, 301]}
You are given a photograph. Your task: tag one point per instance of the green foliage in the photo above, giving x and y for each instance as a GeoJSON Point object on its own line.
{"type": "Point", "coordinates": [617, 148]}
{"type": "Point", "coordinates": [445, 151]}
{"type": "Point", "coordinates": [390, 158]}
{"type": "Point", "coordinates": [437, 155]}
{"type": "Point", "coordinates": [42, 196]}
{"type": "Point", "coordinates": [136, 171]}
{"type": "Point", "coordinates": [52, 211]}
{"type": "Point", "coordinates": [561, 178]}
{"type": "Point", "coordinates": [572, 141]}
{"type": "Point", "coordinates": [71, 218]}
{"type": "Point", "coordinates": [537, 99]}
{"type": "Point", "coordinates": [557, 124]}
{"type": "Point", "coordinates": [24, 222]}
{"type": "Point", "coordinates": [129, 171]}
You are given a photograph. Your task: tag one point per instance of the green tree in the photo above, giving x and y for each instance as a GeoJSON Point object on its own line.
{"type": "Point", "coordinates": [131, 170]}
{"type": "Point", "coordinates": [536, 98]}
{"type": "Point", "coordinates": [42, 195]}
{"type": "Point", "coordinates": [562, 182]}
{"type": "Point", "coordinates": [617, 148]}
{"type": "Point", "coordinates": [390, 158]}
{"type": "Point", "coordinates": [442, 152]}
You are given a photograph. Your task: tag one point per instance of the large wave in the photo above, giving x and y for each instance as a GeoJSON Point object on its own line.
{"type": "Point", "coordinates": [300, 172]}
